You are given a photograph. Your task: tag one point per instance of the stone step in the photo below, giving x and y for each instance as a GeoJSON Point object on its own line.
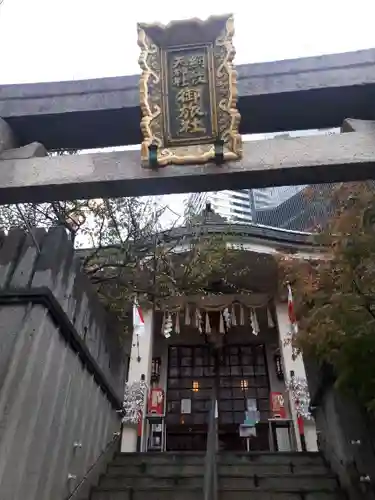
{"type": "Point", "coordinates": [224, 458]}
{"type": "Point", "coordinates": [197, 494]}
{"type": "Point", "coordinates": [238, 470]}
{"type": "Point", "coordinates": [268, 483]}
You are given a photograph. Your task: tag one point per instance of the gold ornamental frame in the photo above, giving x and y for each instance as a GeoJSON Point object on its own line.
{"type": "Point", "coordinates": [226, 117]}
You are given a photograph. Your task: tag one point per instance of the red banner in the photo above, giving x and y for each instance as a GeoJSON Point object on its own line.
{"type": "Point", "coordinates": [278, 405]}
{"type": "Point", "coordinates": [301, 426]}
{"type": "Point", "coordinates": [156, 402]}
{"type": "Point", "coordinates": [140, 424]}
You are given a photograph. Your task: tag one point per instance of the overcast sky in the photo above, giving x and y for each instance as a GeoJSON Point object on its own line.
{"type": "Point", "coordinates": [45, 40]}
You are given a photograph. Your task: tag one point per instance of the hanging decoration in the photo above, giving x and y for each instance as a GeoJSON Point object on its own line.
{"type": "Point", "coordinates": [270, 321]}
{"type": "Point", "coordinates": [298, 388]}
{"type": "Point", "coordinates": [198, 320]}
{"type": "Point", "coordinates": [168, 326]}
{"type": "Point", "coordinates": [227, 318]}
{"type": "Point", "coordinates": [254, 322]}
{"type": "Point", "coordinates": [233, 312]}
{"type": "Point", "coordinates": [177, 324]}
{"type": "Point", "coordinates": [134, 401]}
{"type": "Point", "coordinates": [291, 312]}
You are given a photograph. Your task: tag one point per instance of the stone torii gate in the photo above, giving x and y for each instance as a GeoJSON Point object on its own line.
{"type": "Point", "coordinates": [331, 91]}
{"type": "Point", "coordinates": [347, 80]}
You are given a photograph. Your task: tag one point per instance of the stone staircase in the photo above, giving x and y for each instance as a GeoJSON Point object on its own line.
{"type": "Point", "coordinates": [242, 476]}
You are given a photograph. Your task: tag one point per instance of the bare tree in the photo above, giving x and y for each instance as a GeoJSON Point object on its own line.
{"type": "Point", "coordinates": [128, 251]}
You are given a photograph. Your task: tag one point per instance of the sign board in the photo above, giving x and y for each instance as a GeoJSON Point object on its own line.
{"type": "Point", "coordinates": [252, 415]}
{"type": "Point", "coordinates": [278, 405]}
{"type": "Point", "coordinates": [247, 431]}
{"type": "Point", "coordinates": [251, 404]}
{"type": "Point", "coordinates": [186, 406]}
{"type": "Point", "coordinates": [188, 94]}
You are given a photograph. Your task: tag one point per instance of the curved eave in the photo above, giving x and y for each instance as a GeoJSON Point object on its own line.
{"type": "Point", "coordinates": [250, 233]}
{"type": "Point", "coordinates": [264, 239]}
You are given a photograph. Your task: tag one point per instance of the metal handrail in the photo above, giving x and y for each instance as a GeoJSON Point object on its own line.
{"type": "Point", "coordinates": [210, 468]}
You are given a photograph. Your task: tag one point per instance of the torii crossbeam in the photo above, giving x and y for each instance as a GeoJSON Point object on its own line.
{"type": "Point", "coordinates": [347, 156]}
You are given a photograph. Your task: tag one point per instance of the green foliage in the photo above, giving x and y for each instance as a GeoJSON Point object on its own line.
{"type": "Point", "coordinates": [335, 295]}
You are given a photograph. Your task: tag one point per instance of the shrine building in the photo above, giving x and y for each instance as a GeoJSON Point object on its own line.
{"type": "Point", "coordinates": [236, 341]}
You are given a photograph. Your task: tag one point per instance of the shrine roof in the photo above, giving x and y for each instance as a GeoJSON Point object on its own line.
{"type": "Point", "coordinates": [262, 236]}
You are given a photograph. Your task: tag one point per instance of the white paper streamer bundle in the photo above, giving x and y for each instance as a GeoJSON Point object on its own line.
{"type": "Point", "coordinates": [227, 318]}
{"type": "Point", "coordinates": [300, 395]}
{"type": "Point", "coordinates": [134, 400]}
{"type": "Point", "coordinates": [198, 320]}
{"type": "Point", "coordinates": [168, 326]}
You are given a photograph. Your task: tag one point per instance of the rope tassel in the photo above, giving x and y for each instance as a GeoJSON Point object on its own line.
{"type": "Point", "coordinates": [227, 318]}
{"type": "Point", "coordinates": [168, 326]}
{"type": "Point", "coordinates": [198, 319]}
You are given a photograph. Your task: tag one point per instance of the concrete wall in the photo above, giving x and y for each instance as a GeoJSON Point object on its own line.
{"type": "Point", "coordinates": [346, 434]}
{"type": "Point", "coordinates": [61, 369]}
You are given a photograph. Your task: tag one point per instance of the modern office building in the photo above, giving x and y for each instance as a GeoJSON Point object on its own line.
{"type": "Point", "coordinates": [241, 206]}
{"type": "Point", "coordinates": [262, 206]}
{"type": "Point", "coordinates": [235, 206]}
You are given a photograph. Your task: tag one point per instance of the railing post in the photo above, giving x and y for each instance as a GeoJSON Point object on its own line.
{"type": "Point", "coordinates": [210, 476]}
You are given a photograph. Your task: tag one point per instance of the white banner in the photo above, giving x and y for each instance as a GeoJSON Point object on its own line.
{"type": "Point", "coordinates": [138, 320]}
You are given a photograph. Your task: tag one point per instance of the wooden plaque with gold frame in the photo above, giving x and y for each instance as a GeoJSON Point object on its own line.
{"type": "Point", "coordinates": [188, 92]}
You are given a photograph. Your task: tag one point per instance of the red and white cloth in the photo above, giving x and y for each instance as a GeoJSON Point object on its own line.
{"type": "Point", "coordinates": [291, 311]}
{"type": "Point", "coordinates": [138, 320]}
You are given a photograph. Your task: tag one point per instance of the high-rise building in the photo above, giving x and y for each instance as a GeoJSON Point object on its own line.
{"type": "Point", "coordinates": [254, 205]}
{"type": "Point", "coordinates": [240, 206]}
{"type": "Point", "coordinates": [235, 206]}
